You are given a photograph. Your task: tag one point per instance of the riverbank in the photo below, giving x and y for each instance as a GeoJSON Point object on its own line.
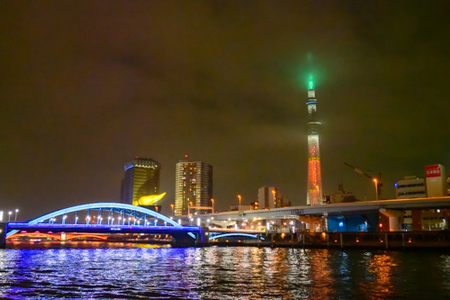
{"type": "Point", "coordinates": [347, 240]}
{"type": "Point", "coordinates": [324, 240]}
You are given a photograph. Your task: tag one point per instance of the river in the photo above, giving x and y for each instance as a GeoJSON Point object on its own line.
{"type": "Point", "coordinates": [130, 271]}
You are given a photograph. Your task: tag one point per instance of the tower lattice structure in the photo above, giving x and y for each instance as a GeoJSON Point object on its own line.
{"type": "Point", "coordinates": [314, 188]}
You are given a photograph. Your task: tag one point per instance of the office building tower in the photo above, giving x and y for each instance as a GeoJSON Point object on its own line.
{"type": "Point", "coordinates": [410, 187]}
{"type": "Point", "coordinates": [193, 187]}
{"type": "Point", "coordinates": [314, 187]}
{"type": "Point", "coordinates": [268, 197]}
{"type": "Point", "coordinates": [141, 182]}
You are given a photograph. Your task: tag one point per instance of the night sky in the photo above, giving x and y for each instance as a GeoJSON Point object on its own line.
{"type": "Point", "coordinates": [85, 86]}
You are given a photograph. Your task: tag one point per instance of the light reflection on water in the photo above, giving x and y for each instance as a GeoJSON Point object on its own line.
{"type": "Point", "coordinates": [128, 271]}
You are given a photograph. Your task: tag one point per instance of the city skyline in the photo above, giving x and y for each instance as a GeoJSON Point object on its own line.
{"type": "Point", "coordinates": [85, 86]}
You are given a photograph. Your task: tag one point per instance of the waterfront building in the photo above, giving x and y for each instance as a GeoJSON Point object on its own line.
{"type": "Point", "coordinates": [140, 185]}
{"type": "Point", "coordinates": [410, 187]}
{"type": "Point", "coordinates": [314, 187]}
{"type": "Point", "coordinates": [436, 181]}
{"type": "Point", "coordinates": [193, 187]}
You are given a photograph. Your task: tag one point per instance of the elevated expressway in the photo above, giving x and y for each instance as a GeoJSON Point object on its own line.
{"type": "Point", "coordinates": [338, 209]}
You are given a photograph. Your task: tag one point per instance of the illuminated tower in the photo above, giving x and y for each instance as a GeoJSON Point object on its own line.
{"type": "Point", "coordinates": [314, 193]}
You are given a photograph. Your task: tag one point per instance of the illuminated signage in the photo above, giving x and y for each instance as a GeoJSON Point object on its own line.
{"type": "Point", "coordinates": [433, 171]}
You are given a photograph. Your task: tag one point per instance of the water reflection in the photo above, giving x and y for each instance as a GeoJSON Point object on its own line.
{"type": "Point", "coordinates": [379, 275]}
{"type": "Point", "coordinates": [321, 275]}
{"type": "Point", "coordinates": [129, 271]}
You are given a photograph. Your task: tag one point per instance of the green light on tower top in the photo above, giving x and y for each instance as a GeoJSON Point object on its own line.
{"type": "Point", "coordinates": [310, 84]}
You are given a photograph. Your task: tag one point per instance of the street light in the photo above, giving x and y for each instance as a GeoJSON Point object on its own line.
{"type": "Point", "coordinates": [172, 206]}
{"type": "Point", "coordinates": [376, 188]}
{"type": "Point", "coordinates": [9, 216]}
{"type": "Point", "coordinates": [1, 215]}
{"type": "Point", "coordinates": [212, 204]}
{"type": "Point", "coordinates": [15, 216]}
{"type": "Point", "coordinates": [239, 207]}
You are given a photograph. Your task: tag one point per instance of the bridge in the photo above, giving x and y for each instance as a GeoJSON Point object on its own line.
{"type": "Point", "coordinates": [108, 218]}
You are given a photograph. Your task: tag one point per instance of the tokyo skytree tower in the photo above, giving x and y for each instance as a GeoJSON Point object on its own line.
{"type": "Point", "coordinates": [314, 193]}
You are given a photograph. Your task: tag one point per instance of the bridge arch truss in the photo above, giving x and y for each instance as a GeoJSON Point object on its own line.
{"type": "Point", "coordinates": [106, 213]}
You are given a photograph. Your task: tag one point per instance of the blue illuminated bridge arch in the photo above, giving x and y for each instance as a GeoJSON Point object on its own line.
{"type": "Point", "coordinates": [234, 234]}
{"type": "Point", "coordinates": [120, 218]}
{"type": "Point", "coordinates": [136, 212]}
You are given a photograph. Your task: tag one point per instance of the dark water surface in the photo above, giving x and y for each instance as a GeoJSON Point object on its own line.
{"type": "Point", "coordinates": [126, 271]}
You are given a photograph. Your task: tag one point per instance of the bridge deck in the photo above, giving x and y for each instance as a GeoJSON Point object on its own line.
{"type": "Point", "coordinates": [99, 228]}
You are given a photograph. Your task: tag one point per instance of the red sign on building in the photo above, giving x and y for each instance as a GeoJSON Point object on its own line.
{"type": "Point", "coordinates": [432, 171]}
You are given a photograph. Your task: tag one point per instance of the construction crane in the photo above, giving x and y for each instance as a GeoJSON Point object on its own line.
{"type": "Point", "coordinates": [377, 181]}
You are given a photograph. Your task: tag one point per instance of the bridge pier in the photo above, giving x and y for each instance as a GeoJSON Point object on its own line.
{"type": "Point", "coordinates": [3, 230]}
{"type": "Point", "coordinates": [202, 237]}
{"type": "Point", "coordinates": [183, 239]}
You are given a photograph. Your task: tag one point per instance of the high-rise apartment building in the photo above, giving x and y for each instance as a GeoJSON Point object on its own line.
{"type": "Point", "coordinates": [314, 187]}
{"type": "Point", "coordinates": [193, 187]}
{"type": "Point", "coordinates": [268, 197]}
{"type": "Point", "coordinates": [271, 197]}
{"type": "Point", "coordinates": [141, 180]}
